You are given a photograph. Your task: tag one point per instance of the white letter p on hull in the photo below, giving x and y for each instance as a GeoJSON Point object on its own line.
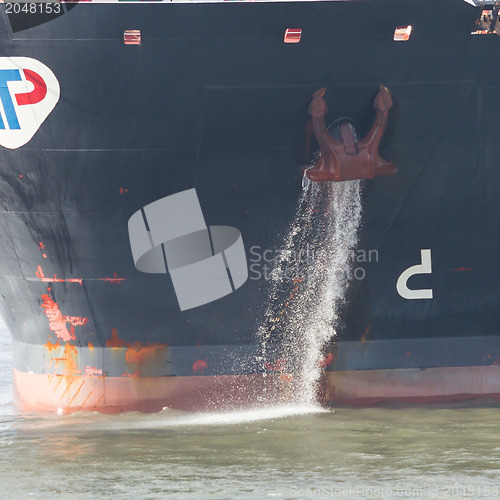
{"type": "Point", "coordinates": [424, 268]}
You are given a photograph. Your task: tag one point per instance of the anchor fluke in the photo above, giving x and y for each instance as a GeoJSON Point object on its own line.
{"type": "Point", "coordinates": [383, 100]}
{"type": "Point", "coordinates": [349, 157]}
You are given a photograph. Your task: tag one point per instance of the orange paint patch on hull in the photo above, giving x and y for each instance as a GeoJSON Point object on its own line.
{"type": "Point", "coordinates": [365, 333]}
{"type": "Point", "coordinates": [200, 366]}
{"type": "Point", "coordinates": [139, 357]}
{"type": "Point", "coordinates": [139, 353]}
{"type": "Point", "coordinates": [92, 370]}
{"type": "Point", "coordinates": [58, 323]}
{"type": "Point", "coordinates": [70, 360]}
{"type": "Point", "coordinates": [63, 361]}
{"type": "Point", "coordinates": [115, 341]}
{"type": "Point", "coordinates": [50, 346]}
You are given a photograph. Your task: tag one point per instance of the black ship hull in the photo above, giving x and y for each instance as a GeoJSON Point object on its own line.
{"type": "Point", "coordinates": [214, 100]}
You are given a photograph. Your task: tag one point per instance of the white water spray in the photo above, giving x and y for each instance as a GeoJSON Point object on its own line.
{"type": "Point", "coordinates": [309, 283]}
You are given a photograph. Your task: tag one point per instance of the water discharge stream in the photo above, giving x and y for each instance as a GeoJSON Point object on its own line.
{"type": "Point", "coordinates": [309, 283]}
{"type": "Point", "coordinates": [308, 286]}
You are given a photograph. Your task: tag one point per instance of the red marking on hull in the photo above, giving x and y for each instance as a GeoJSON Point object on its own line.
{"type": "Point", "coordinates": [123, 190]}
{"type": "Point", "coordinates": [76, 321]}
{"type": "Point", "coordinates": [114, 280]}
{"type": "Point", "coordinates": [461, 269]}
{"type": "Point", "coordinates": [92, 370]}
{"type": "Point", "coordinates": [37, 94]}
{"type": "Point", "coordinates": [55, 279]}
{"type": "Point", "coordinates": [200, 366]}
{"type": "Point", "coordinates": [491, 359]}
{"type": "Point", "coordinates": [58, 322]}
{"type": "Point", "coordinates": [115, 341]}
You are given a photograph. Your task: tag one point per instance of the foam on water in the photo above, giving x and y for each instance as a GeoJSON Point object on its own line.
{"type": "Point", "coordinates": [309, 284]}
{"type": "Point", "coordinates": [5, 370]}
{"type": "Point", "coordinates": [168, 418]}
{"type": "Point", "coordinates": [240, 416]}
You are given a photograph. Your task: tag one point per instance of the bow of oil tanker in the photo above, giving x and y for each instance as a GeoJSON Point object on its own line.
{"type": "Point", "coordinates": [147, 177]}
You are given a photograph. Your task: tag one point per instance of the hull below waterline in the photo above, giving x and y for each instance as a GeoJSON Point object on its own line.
{"type": "Point", "coordinates": [427, 385]}
{"type": "Point", "coordinates": [69, 394]}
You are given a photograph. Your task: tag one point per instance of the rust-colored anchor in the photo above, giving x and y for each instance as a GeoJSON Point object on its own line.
{"type": "Point", "coordinates": [351, 158]}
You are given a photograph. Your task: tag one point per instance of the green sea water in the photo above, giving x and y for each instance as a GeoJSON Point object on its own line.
{"type": "Point", "coordinates": [275, 453]}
